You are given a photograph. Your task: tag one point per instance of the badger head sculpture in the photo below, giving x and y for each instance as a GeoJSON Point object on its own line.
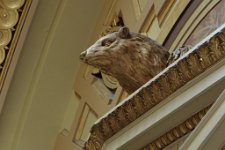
{"type": "Point", "coordinates": [131, 58]}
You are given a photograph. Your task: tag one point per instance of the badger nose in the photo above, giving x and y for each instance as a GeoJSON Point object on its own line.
{"type": "Point", "coordinates": [82, 55]}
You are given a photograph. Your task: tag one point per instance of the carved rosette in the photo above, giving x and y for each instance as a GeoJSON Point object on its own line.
{"type": "Point", "coordinates": [12, 16]}
{"type": "Point", "coordinates": [171, 79]}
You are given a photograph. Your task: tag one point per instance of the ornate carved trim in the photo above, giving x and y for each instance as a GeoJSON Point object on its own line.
{"type": "Point", "coordinates": [196, 61]}
{"type": "Point", "coordinates": [12, 17]}
{"type": "Point", "coordinates": [177, 132]}
{"type": "Point", "coordinates": [209, 134]}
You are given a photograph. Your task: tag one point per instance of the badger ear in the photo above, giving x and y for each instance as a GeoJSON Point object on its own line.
{"type": "Point", "coordinates": [124, 32]}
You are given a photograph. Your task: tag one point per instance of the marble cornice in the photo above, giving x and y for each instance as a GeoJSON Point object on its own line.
{"type": "Point", "coordinates": [200, 58]}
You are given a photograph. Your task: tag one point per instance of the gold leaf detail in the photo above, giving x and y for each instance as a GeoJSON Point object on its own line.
{"type": "Point", "coordinates": [5, 37]}
{"type": "Point", "coordinates": [12, 4]}
{"type": "Point", "coordinates": [8, 18]}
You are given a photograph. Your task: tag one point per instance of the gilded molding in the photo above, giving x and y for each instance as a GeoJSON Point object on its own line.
{"type": "Point", "coordinates": [177, 132]}
{"type": "Point", "coordinates": [159, 88]}
{"type": "Point", "coordinates": [12, 17]}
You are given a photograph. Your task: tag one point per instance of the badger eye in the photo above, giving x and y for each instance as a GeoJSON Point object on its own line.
{"type": "Point", "coordinates": [106, 43]}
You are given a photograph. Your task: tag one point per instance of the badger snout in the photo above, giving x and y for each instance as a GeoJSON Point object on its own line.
{"type": "Point", "coordinates": [82, 55]}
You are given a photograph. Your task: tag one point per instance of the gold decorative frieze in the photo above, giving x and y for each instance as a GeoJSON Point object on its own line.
{"type": "Point", "coordinates": [183, 70]}
{"type": "Point", "coordinates": [177, 132]}
{"type": "Point", "coordinates": [12, 4]}
{"type": "Point", "coordinates": [12, 17]}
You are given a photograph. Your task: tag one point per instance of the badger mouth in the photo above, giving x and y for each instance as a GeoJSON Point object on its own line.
{"type": "Point", "coordinates": [101, 62]}
{"type": "Point", "coordinates": [102, 65]}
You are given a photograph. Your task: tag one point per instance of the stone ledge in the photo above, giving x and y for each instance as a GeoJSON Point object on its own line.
{"type": "Point", "coordinates": [196, 61]}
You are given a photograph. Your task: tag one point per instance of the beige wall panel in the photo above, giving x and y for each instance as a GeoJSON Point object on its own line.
{"type": "Point", "coordinates": [137, 9]}
{"type": "Point", "coordinates": [147, 14]}
{"type": "Point", "coordinates": [86, 121]}
{"type": "Point", "coordinates": [91, 118]}
{"type": "Point", "coordinates": [81, 122]}
{"type": "Point", "coordinates": [148, 21]}
{"type": "Point", "coordinates": [142, 4]}
{"type": "Point", "coordinates": [71, 112]}
{"type": "Point", "coordinates": [154, 29]}
{"type": "Point", "coordinates": [158, 4]}
{"type": "Point", "coordinates": [164, 9]}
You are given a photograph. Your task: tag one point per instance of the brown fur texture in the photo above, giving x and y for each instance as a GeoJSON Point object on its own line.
{"type": "Point", "coordinates": [131, 58]}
